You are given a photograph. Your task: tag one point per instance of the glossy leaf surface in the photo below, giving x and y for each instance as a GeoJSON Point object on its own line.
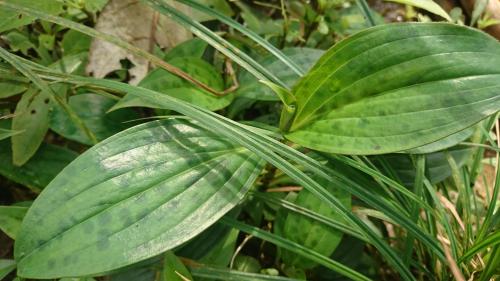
{"type": "Point", "coordinates": [395, 87]}
{"type": "Point", "coordinates": [133, 196]}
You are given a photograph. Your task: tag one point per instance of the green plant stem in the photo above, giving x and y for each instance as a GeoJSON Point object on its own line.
{"type": "Point", "coordinates": [249, 33]}
{"type": "Point", "coordinates": [365, 10]}
{"type": "Point", "coordinates": [216, 41]}
{"type": "Point", "coordinates": [415, 210]}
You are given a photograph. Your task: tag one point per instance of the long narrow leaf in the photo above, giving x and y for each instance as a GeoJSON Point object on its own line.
{"type": "Point", "coordinates": [248, 32]}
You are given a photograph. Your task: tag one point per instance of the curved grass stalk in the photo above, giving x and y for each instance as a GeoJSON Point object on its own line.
{"type": "Point", "coordinates": [113, 40]}
{"type": "Point", "coordinates": [217, 42]}
{"type": "Point", "coordinates": [249, 33]}
{"type": "Point", "coordinates": [4, 54]}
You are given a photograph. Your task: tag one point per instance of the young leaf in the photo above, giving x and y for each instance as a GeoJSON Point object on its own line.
{"type": "Point", "coordinates": [154, 186]}
{"type": "Point", "coordinates": [32, 118]}
{"type": "Point", "coordinates": [395, 87]}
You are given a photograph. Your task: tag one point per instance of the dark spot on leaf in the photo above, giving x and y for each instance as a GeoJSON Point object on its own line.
{"type": "Point", "coordinates": [67, 260]}
{"type": "Point", "coordinates": [46, 101]}
{"type": "Point", "coordinates": [51, 263]}
{"type": "Point", "coordinates": [20, 16]}
{"type": "Point", "coordinates": [103, 244]}
{"type": "Point", "coordinates": [377, 147]}
{"type": "Point", "coordinates": [88, 228]}
{"type": "Point", "coordinates": [33, 111]}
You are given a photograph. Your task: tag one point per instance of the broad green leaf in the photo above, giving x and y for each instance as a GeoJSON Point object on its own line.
{"type": "Point", "coordinates": [173, 269]}
{"type": "Point", "coordinates": [11, 88]}
{"type": "Point", "coordinates": [10, 20]}
{"type": "Point", "coordinates": [74, 42]}
{"type": "Point", "coordinates": [6, 266]}
{"type": "Point", "coordinates": [11, 218]}
{"type": "Point", "coordinates": [164, 82]}
{"type": "Point", "coordinates": [308, 232]}
{"type": "Point", "coordinates": [154, 186]}
{"type": "Point", "coordinates": [191, 48]}
{"type": "Point", "coordinates": [396, 87]}
{"type": "Point", "coordinates": [253, 89]}
{"type": "Point", "coordinates": [47, 162]}
{"type": "Point", "coordinates": [77, 279]}
{"type": "Point", "coordinates": [92, 109]}
{"type": "Point", "coordinates": [32, 118]}
{"type": "Point", "coordinates": [437, 166]}
{"type": "Point", "coordinates": [222, 6]}
{"type": "Point", "coordinates": [428, 5]}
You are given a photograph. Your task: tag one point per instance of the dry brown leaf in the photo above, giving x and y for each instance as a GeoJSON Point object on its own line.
{"type": "Point", "coordinates": [137, 24]}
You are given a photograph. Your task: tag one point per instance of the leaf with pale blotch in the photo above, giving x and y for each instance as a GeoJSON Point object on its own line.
{"type": "Point", "coordinates": [31, 118]}
{"type": "Point", "coordinates": [133, 196]}
{"type": "Point", "coordinates": [395, 87]}
{"type": "Point", "coordinates": [133, 22]}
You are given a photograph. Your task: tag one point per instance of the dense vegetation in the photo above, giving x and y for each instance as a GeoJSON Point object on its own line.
{"type": "Point", "coordinates": [247, 140]}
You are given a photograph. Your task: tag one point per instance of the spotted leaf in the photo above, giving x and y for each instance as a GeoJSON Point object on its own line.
{"type": "Point", "coordinates": [396, 87]}
{"type": "Point", "coordinates": [133, 196]}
